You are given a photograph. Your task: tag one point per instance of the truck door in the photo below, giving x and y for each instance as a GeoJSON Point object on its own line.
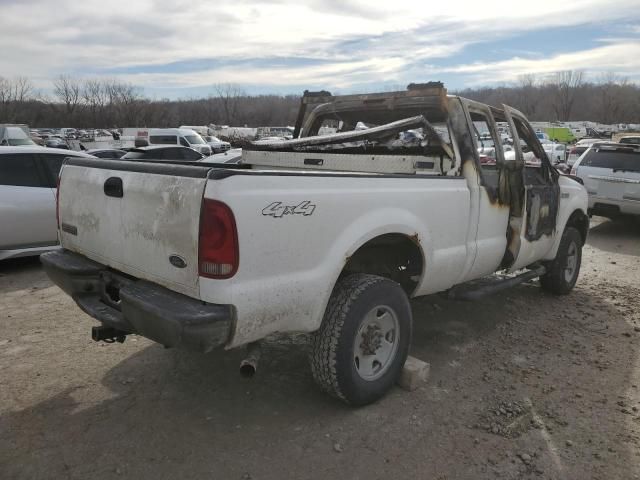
{"type": "Point", "coordinates": [531, 227]}
{"type": "Point", "coordinates": [491, 217]}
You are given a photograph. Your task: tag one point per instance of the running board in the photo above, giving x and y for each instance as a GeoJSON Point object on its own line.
{"type": "Point", "coordinates": [475, 290]}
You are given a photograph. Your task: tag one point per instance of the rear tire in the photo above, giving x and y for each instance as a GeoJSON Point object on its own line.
{"type": "Point", "coordinates": [359, 351]}
{"type": "Point", "coordinates": [563, 272]}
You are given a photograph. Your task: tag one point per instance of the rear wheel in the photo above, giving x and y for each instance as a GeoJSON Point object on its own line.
{"type": "Point", "coordinates": [563, 272]}
{"type": "Point", "coordinates": [358, 352]}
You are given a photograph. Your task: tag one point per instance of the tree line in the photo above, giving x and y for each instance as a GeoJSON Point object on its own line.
{"type": "Point", "coordinates": [567, 96]}
{"type": "Point", "coordinates": [109, 103]}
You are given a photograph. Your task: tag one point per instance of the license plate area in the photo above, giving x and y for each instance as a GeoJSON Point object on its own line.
{"type": "Point", "coordinates": [110, 291]}
{"type": "Point", "coordinates": [612, 190]}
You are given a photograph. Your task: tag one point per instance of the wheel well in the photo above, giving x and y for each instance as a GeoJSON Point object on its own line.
{"type": "Point", "coordinates": [393, 255]}
{"type": "Point", "coordinates": [580, 221]}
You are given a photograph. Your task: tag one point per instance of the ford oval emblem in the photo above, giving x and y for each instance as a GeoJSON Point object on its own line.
{"type": "Point", "coordinates": [177, 261]}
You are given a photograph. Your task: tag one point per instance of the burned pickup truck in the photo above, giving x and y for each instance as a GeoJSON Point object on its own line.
{"type": "Point", "coordinates": [330, 234]}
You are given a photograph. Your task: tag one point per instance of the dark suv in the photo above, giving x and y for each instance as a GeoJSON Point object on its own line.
{"type": "Point", "coordinates": [174, 153]}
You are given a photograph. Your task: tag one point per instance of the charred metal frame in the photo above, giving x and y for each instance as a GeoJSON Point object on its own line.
{"type": "Point", "coordinates": [404, 110]}
{"type": "Point", "coordinates": [340, 140]}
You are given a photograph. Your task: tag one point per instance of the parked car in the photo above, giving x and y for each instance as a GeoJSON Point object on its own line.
{"type": "Point", "coordinates": [217, 145]}
{"type": "Point", "coordinates": [106, 152]}
{"type": "Point", "coordinates": [326, 234]}
{"type": "Point", "coordinates": [159, 152]}
{"type": "Point", "coordinates": [56, 142]}
{"type": "Point", "coordinates": [611, 174]}
{"type": "Point", "coordinates": [575, 152]}
{"type": "Point", "coordinates": [13, 135]}
{"type": "Point", "coordinates": [630, 139]}
{"type": "Point", "coordinates": [230, 156]}
{"type": "Point", "coordinates": [542, 136]}
{"type": "Point", "coordinates": [173, 136]}
{"type": "Point", "coordinates": [269, 140]}
{"type": "Point", "coordinates": [28, 178]}
{"type": "Point", "coordinates": [559, 133]}
{"type": "Point", "coordinates": [590, 141]}
{"type": "Point", "coordinates": [557, 152]}
{"type": "Point", "coordinates": [36, 139]}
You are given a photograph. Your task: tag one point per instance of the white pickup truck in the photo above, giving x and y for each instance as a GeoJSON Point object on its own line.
{"type": "Point", "coordinates": [326, 234]}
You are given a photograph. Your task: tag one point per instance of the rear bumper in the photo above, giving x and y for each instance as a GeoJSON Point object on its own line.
{"type": "Point", "coordinates": [138, 306]}
{"type": "Point", "coordinates": [608, 207]}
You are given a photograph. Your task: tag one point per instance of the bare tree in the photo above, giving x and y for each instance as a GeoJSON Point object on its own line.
{"type": "Point", "coordinates": [108, 102]}
{"type": "Point", "coordinates": [130, 101]}
{"type": "Point", "coordinates": [67, 89]}
{"type": "Point", "coordinates": [22, 89]}
{"type": "Point", "coordinates": [5, 99]}
{"type": "Point", "coordinates": [95, 98]}
{"type": "Point", "coordinates": [610, 95]}
{"type": "Point", "coordinates": [565, 84]}
{"type": "Point", "coordinates": [526, 91]}
{"type": "Point", "coordinates": [14, 94]}
{"type": "Point", "coordinates": [229, 95]}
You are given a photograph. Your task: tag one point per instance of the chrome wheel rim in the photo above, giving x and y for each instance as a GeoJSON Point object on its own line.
{"type": "Point", "coordinates": [572, 262]}
{"type": "Point", "coordinates": [376, 343]}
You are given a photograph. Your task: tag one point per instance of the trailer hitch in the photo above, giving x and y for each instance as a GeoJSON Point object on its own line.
{"type": "Point", "coordinates": [108, 334]}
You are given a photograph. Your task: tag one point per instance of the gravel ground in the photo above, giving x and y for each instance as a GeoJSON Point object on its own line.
{"type": "Point", "coordinates": [523, 385]}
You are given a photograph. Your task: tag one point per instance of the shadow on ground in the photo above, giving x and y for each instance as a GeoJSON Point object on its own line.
{"type": "Point", "coordinates": [619, 236]}
{"type": "Point", "coordinates": [173, 414]}
{"type": "Point", "coordinates": [18, 273]}
{"type": "Point", "coordinates": [122, 411]}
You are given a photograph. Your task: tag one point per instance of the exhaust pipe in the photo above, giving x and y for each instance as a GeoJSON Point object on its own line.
{"type": "Point", "coordinates": [249, 365]}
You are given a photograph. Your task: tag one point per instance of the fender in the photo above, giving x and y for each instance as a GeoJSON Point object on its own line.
{"type": "Point", "coordinates": [375, 224]}
{"type": "Point", "coordinates": [573, 197]}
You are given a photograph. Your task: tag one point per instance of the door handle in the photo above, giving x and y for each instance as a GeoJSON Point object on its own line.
{"type": "Point", "coordinates": [113, 187]}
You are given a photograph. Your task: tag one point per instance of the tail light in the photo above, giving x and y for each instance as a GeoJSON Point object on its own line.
{"type": "Point", "coordinates": [218, 254]}
{"type": "Point", "coordinates": [58, 202]}
{"type": "Point", "coordinates": [573, 151]}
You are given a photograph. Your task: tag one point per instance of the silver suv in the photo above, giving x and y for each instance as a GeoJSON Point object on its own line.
{"type": "Point", "coordinates": [28, 178]}
{"type": "Point", "coordinates": [611, 174]}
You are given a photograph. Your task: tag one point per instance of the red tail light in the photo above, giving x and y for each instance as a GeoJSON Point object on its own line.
{"type": "Point", "coordinates": [573, 151]}
{"type": "Point", "coordinates": [58, 202]}
{"type": "Point", "coordinates": [218, 255]}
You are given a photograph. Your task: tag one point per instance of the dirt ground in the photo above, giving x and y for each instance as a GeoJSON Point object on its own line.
{"type": "Point", "coordinates": [522, 385]}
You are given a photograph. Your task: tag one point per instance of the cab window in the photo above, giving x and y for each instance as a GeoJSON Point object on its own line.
{"type": "Point", "coordinates": [20, 170]}
{"type": "Point", "coordinates": [487, 144]}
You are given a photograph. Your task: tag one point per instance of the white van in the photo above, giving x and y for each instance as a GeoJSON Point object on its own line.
{"type": "Point", "coordinates": [15, 135]}
{"type": "Point", "coordinates": [175, 136]}
{"type": "Point", "coordinates": [200, 129]}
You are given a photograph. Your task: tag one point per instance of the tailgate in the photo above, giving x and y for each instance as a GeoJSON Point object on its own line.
{"type": "Point", "coordinates": [612, 171]}
{"type": "Point", "coordinates": [614, 185]}
{"type": "Point", "coordinates": [136, 217]}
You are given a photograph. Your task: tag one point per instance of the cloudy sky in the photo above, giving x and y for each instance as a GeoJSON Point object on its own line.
{"type": "Point", "coordinates": [180, 48]}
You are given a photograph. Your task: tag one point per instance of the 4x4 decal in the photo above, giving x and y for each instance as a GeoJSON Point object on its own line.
{"type": "Point", "coordinates": [278, 210]}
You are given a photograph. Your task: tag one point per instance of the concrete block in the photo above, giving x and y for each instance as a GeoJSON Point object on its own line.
{"type": "Point", "coordinates": [414, 373]}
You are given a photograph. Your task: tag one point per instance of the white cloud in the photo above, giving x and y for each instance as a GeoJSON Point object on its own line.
{"type": "Point", "coordinates": [340, 75]}
{"type": "Point", "coordinates": [622, 58]}
{"type": "Point", "coordinates": [41, 39]}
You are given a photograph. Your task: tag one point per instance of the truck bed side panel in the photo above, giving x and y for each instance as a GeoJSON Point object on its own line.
{"type": "Point", "coordinates": [297, 232]}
